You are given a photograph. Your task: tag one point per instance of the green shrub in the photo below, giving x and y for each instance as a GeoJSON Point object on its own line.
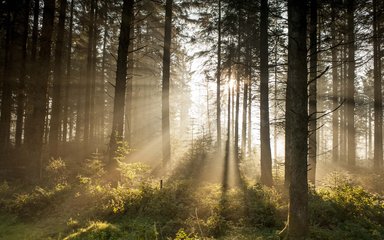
{"type": "Point", "coordinates": [56, 171]}
{"type": "Point", "coordinates": [346, 211]}
{"type": "Point", "coordinates": [98, 231]}
{"type": "Point", "coordinates": [32, 203]}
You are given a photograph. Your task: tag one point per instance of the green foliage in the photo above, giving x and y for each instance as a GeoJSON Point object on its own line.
{"type": "Point", "coordinates": [262, 204]}
{"type": "Point", "coordinates": [56, 171]}
{"type": "Point", "coordinates": [182, 235]}
{"type": "Point", "coordinates": [32, 203]}
{"type": "Point", "coordinates": [346, 211]}
{"type": "Point", "coordinates": [98, 231]}
{"type": "Point", "coordinates": [132, 174]}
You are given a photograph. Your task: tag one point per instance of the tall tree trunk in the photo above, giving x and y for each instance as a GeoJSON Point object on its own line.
{"type": "Point", "coordinates": [249, 138]}
{"type": "Point", "coordinates": [228, 141]}
{"type": "Point", "coordinates": [92, 113]}
{"type": "Point", "coordinates": [8, 79]}
{"type": "Point", "coordinates": [245, 98]}
{"type": "Point", "coordinates": [23, 73]}
{"type": "Point", "coordinates": [165, 86]}
{"type": "Point", "coordinates": [312, 125]}
{"type": "Point", "coordinates": [350, 101]}
{"type": "Point", "coordinates": [296, 121]}
{"type": "Point", "coordinates": [128, 110]}
{"type": "Point", "coordinates": [102, 81]}
{"type": "Point", "coordinates": [378, 96]}
{"type": "Point", "coordinates": [237, 104]}
{"type": "Point", "coordinates": [54, 132]}
{"type": "Point", "coordinates": [218, 88]}
{"type": "Point", "coordinates": [335, 87]}
{"type": "Point", "coordinates": [68, 75]}
{"type": "Point", "coordinates": [88, 87]}
{"type": "Point", "coordinates": [343, 113]}
{"type": "Point", "coordinates": [121, 80]}
{"type": "Point", "coordinates": [266, 159]}
{"type": "Point", "coordinates": [34, 140]}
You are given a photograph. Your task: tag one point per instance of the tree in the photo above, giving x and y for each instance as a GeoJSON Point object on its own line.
{"type": "Point", "coordinates": [378, 96]}
{"type": "Point", "coordinates": [121, 80]}
{"type": "Point", "coordinates": [57, 82]}
{"type": "Point", "coordinates": [335, 88]}
{"type": "Point", "coordinates": [218, 79]}
{"type": "Point", "coordinates": [88, 87]}
{"type": "Point", "coordinates": [68, 75]}
{"type": "Point", "coordinates": [266, 158]}
{"type": "Point", "coordinates": [296, 121]}
{"type": "Point", "coordinates": [14, 70]}
{"type": "Point", "coordinates": [166, 144]}
{"type": "Point", "coordinates": [312, 150]}
{"type": "Point", "coordinates": [350, 91]}
{"type": "Point", "coordinates": [36, 126]}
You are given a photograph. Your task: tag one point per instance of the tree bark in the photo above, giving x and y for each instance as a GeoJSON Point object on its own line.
{"type": "Point", "coordinates": [23, 73]}
{"type": "Point", "coordinates": [121, 80]}
{"type": "Point", "coordinates": [218, 83]}
{"type": "Point", "coordinates": [378, 96]}
{"type": "Point", "coordinates": [312, 125]}
{"type": "Point", "coordinates": [34, 140]}
{"type": "Point", "coordinates": [88, 87]}
{"type": "Point", "coordinates": [350, 100]}
{"type": "Point", "coordinates": [68, 76]}
{"type": "Point", "coordinates": [166, 143]}
{"type": "Point", "coordinates": [335, 88]}
{"type": "Point", "coordinates": [296, 121]}
{"type": "Point", "coordinates": [54, 131]}
{"type": "Point", "coordinates": [266, 158]}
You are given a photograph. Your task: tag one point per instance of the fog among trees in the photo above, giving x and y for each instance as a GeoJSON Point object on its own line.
{"type": "Point", "coordinates": [190, 119]}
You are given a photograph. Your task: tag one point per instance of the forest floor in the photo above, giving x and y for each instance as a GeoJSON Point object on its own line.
{"type": "Point", "coordinates": [78, 201]}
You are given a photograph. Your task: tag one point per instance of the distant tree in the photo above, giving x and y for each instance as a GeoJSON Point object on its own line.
{"type": "Point", "coordinates": [54, 132]}
{"type": "Point", "coordinates": [67, 83]}
{"type": "Point", "coordinates": [23, 28]}
{"type": "Point", "coordinates": [36, 127]}
{"type": "Point", "coordinates": [89, 75]}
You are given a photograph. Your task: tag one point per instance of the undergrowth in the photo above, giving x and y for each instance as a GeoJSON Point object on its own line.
{"type": "Point", "coordinates": [82, 204]}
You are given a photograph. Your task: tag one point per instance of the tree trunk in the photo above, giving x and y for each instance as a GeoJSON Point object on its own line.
{"type": "Point", "coordinates": [54, 132]}
{"type": "Point", "coordinates": [350, 101]}
{"type": "Point", "coordinates": [166, 144]}
{"type": "Point", "coordinates": [296, 121]}
{"type": "Point", "coordinates": [335, 87]}
{"type": "Point", "coordinates": [88, 87]}
{"type": "Point", "coordinates": [68, 76]}
{"type": "Point", "coordinates": [92, 113]}
{"type": "Point", "coordinates": [8, 79]}
{"type": "Point", "coordinates": [265, 159]}
{"type": "Point", "coordinates": [121, 80]}
{"type": "Point", "coordinates": [312, 125]}
{"type": "Point", "coordinates": [378, 96]}
{"type": "Point", "coordinates": [128, 110]}
{"type": "Point", "coordinates": [23, 73]}
{"type": "Point", "coordinates": [249, 138]}
{"type": "Point", "coordinates": [34, 140]}
{"type": "Point", "coordinates": [218, 88]}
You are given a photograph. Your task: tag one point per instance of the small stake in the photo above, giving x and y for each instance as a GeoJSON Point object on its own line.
{"type": "Point", "coordinates": [161, 183]}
